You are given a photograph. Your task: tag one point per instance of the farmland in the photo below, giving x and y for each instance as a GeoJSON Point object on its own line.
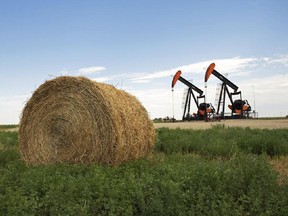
{"type": "Point", "coordinates": [252, 123]}
{"type": "Point", "coordinates": [222, 170]}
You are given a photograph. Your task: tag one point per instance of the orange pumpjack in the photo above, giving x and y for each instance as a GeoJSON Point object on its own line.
{"type": "Point", "coordinates": [204, 109]}
{"type": "Point", "coordinates": [239, 108]}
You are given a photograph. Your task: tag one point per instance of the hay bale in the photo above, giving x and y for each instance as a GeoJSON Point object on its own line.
{"type": "Point", "coordinates": [76, 120]}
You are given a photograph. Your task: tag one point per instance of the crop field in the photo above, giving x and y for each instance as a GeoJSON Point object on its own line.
{"type": "Point", "coordinates": [222, 170]}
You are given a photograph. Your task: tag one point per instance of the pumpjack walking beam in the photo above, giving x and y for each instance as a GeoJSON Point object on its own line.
{"type": "Point", "coordinates": [178, 76]}
{"type": "Point", "coordinates": [210, 70]}
{"type": "Point", "coordinates": [190, 92]}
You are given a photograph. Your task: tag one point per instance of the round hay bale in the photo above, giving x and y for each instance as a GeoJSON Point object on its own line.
{"type": "Point", "coordinates": [76, 120]}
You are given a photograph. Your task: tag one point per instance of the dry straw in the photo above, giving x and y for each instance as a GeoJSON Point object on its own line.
{"type": "Point", "coordinates": [76, 120]}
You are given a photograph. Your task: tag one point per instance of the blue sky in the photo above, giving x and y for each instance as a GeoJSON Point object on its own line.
{"type": "Point", "coordinates": [138, 45]}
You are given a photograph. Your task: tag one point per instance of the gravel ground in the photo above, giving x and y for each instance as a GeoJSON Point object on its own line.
{"type": "Point", "coordinates": [252, 123]}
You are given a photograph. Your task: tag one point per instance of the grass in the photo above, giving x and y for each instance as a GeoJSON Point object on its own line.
{"type": "Point", "coordinates": [223, 142]}
{"type": "Point", "coordinates": [220, 171]}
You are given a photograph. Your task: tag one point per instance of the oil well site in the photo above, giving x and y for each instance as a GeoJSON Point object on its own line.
{"type": "Point", "coordinates": [227, 96]}
{"type": "Point", "coordinates": [144, 108]}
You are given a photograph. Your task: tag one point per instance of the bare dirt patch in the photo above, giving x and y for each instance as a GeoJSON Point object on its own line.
{"type": "Point", "coordinates": [252, 123]}
{"type": "Point", "coordinates": [280, 164]}
{"type": "Point", "coordinates": [10, 129]}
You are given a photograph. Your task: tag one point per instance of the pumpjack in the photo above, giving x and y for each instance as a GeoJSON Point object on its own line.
{"type": "Point", "coordinates": [239, 108]}
{"type": "Point", "coordinates": [204, 109]}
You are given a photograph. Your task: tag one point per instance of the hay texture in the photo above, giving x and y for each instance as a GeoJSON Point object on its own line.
{"type": "Point", "coordinates": [76, 120]}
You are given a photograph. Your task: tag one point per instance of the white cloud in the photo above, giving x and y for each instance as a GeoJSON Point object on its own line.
{"type": "Point", "coordinates": [237, 66]}
{"type": "Point", "coordinates": [91, 70]}
{"type": "Point", "coordinates": [102, 79]}
{"type": "Point", "coordinates": [119, 78]}
{"type": "Point", "coordinates": [280, 60]}
{"type": "Point", "coordinates": [276, 85]}
{"type": "Point", "coordinates": [141, 81]}
{"type": "Point", "coordinates": [11, 108]}
{"type": "Point", "coordinates": [158, 102]}
{"type": "Point", "coordinates": [232, 65]}
{"type": "Point", "coordinates": [242, 74]}
{"type": "Point", "coordinates": [82, 71]}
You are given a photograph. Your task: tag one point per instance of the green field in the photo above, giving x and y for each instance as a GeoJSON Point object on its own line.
{"type": "Point", "coordinates": [218, 171]}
